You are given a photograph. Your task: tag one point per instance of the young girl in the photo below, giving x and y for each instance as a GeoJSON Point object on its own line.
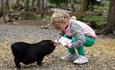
{"type": "Point", "coordinates": [78, 32]}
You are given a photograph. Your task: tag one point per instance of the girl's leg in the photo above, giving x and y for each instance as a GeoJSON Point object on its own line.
{"type": "Point", "coordinates": [81, 59]}
{"type": "Point", "coordinates": [89, 41]}
{"type": "Point", "coordinates": [71, 51]}
{"type": "Point", "coordinates": [71, 56]}
{"type": "Point", "coordinates": [80, 50]}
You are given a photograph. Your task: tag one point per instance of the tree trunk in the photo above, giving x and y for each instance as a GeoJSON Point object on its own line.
{"type": "Point", "coordinates": [17, 3]}
{"type": "Point", "coordinates": [38, 4]}
{"type": "Point", "coordinates": [72, 5]}
{"type": "Point", "coordinates": [1, 7]}
{"type": "Point", "coordinates": [26, 5]}
{"type": "Point", "coordinates": [111, 18]}
{"type": "Point", "coordinates": [6, 11]}
{"type": "Point", "coordinates": [45, 4]}
{"type": "Point", "coordinates": [42, 4]}
{"type": "Point", "coordinates": [33, 5]}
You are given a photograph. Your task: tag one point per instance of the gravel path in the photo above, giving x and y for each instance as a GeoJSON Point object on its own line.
{"type": "Point", "coordinates": [100, 56]}
{"type": "Point", "coordinates": [23, 33]}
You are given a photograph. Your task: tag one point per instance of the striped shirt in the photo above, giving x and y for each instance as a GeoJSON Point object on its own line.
{"type": "Point", "coordinates": [79, 29]}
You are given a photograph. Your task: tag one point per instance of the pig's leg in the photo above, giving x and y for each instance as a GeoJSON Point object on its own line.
{"type": "Point", "coordinates": [17, 63]}
{"type": "Point", "coordinates": [39, 60]}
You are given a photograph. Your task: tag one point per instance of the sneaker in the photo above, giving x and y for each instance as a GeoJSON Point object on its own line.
{"type": "Point", "coordinates": [81, 60]}
{"type": "Point", "coordinates": [69, 57]}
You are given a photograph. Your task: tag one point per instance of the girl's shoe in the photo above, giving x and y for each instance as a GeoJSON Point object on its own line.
{"type": "Point", "coordinates": [69, 57]}
{"type": "Point", "coordinates": [81, 60]}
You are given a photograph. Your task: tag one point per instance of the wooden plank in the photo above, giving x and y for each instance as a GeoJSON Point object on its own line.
{"type": "Point", "coordinates": [71, 14]}
{"type": "Point", "coordinates": [82, 13]}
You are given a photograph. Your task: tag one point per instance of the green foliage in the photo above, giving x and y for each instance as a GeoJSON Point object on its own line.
{"type": "Point", "coordinates": [88, 4]}
{"type": "Point", "coordinates": [103, 7]}
{"type": "Point", "coordinates": [100, 20]}
{"type": "Point", "coordinates": [29, 15]}
{"type": "Point", "coordinates": [57, 2]}
{"type": "Point", "coordinates": [13, 6]}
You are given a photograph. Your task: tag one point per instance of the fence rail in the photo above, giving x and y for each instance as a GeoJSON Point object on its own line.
{"type": "Point", "coordinates": [80, 13]}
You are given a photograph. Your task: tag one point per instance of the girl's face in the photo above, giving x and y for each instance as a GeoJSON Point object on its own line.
{"type": "Point", "coordinates": [62, 26]}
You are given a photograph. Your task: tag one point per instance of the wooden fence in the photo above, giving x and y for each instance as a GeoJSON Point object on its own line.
{"type": "Point", "coordinates": [80, 13]}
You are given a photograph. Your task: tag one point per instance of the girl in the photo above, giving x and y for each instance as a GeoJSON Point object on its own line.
{"type": "Point", "coordinates": [78, 32]}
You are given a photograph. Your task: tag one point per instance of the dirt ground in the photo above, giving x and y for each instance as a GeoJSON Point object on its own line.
{"type": "Point", "coordinates": [101, 56]}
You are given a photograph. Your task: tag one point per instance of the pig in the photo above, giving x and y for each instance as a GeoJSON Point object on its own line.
{"type": "Point", "coordinates": [29, 53]}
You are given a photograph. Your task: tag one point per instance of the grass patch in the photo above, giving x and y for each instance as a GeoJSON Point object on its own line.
{"type": "Point", "coordinates": [100, 20]}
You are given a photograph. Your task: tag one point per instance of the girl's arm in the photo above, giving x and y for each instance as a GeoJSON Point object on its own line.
{"type": "Point", "coordinates": [77, 32]}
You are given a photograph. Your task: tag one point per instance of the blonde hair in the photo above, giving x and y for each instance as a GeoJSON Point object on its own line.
{"type": "Point", "coordinates": [59, 17]}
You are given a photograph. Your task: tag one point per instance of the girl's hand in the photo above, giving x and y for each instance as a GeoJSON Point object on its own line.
{"type": "Point", "coordinates": [64, 41]}
{"type": "Point", "coordinates": [68, 45]}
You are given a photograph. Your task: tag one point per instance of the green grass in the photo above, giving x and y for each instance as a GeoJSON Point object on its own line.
{"type": "Point", "coordinates": [101, 21]}
{"type": "Point", "coordinates": [98, 19]}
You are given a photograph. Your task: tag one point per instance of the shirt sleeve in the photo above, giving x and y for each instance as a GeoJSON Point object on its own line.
{"type": "Point", "coordinates": [77, 32]}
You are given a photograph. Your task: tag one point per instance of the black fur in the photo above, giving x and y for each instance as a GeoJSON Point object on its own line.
{"type": "Point", "coordinates": [29, 53]}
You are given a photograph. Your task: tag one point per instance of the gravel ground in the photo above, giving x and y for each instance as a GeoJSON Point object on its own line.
{"type": "Point", "coordinates": [101, 56]}
{"type": "Point", "coordinates": [19, 32]}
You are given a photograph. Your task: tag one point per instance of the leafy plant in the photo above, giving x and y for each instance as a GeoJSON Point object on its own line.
{"type": "Point", "coordinates": [57, 2]}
